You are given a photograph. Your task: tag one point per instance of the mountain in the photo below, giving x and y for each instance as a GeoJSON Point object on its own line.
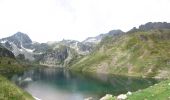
{"type": "Point", "coordinates": [19, 39]}
{"type": "Point", "coordinates": [51, 53]}
{"type": "Point", "coordinates": [22, 46]}
{"type": "Point", "coordinates": [19, 43]}
{"type": "Point", "coordinates": [65, 52]}
{"type": "Point", "coordinates": [80, 47]}
{"type": "Point", "coordinates": [8, 67]}
{"type": "Point", "coordinates": [136, 53]}
{"type": "Point", "coordinates": [97, 39]}
{"type": "Point", "coordinates": [154, 25]}
{"type": "Point", "coordinates": [58, 56]}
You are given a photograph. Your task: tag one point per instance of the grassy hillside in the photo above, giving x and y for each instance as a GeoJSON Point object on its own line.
{"type": "Point", "coordinates": [140, 53]}
{"type": "Point", "coordinates": [9, 91]}
{"type": "Point", "coordinates": [9, 66]}
{"type": "Point", "coordinates": [159, 91]}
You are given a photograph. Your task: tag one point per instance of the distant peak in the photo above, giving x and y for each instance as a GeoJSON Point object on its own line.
{"type": "Point", "coordinates": [20, 34]}
{"type": "Point", "coordinates": [19, 38]}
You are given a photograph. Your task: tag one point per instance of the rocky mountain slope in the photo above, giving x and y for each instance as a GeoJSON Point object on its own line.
{"type": "Point", "coordinates": [58, 56]}
{"type": "Point", "coordinates": [59, 53]}
{"type": "Point", "coordinates": [154, 25]}
{"type": "Point", "coordinates": [19, 43]}
{"type": "Point", "coordinates": [97, 39]}
{"type": "Point", "coordinates": [80, 47]}
{"type": "Point", "coordinates": [45, 53]}
{"type": "Point", "coordinates": [136, 53]}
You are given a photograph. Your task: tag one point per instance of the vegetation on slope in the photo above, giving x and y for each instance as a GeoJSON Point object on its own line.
{"type": "Point", "coordinates": [9, 66]}
{"type": "Point", "coordinates": [139, 53]}
{"type": "Point", "coordinates": [160, 91]}
{"type": "Point", "coordinates": [9, 91]}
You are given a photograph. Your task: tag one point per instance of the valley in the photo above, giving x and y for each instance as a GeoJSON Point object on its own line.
{"type": "Point", "coordinates": [112, 63]}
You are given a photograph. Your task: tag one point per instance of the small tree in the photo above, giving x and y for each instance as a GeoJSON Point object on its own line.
{"type": "Point", "coordinates": [9, 62]}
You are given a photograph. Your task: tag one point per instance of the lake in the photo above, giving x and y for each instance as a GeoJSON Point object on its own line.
{"type": "Point", "coordinates": [61, 84]}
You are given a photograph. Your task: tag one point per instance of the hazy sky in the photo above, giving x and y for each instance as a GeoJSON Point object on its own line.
{"type": "Point", "coordinates": [53, 20]}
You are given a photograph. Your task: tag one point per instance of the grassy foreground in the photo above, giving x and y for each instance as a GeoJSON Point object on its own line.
{"type": "Point", "coordinates": [9, 91]}
{"type": "Point", "coordinates": [160, 91]}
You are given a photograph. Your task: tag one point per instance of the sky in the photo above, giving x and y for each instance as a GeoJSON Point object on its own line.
{"type": "Point", "coordinates": [54, 20]}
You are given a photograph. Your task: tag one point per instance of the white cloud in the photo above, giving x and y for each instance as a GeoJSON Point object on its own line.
{"type": "Point", "coordinates": [49, 20]}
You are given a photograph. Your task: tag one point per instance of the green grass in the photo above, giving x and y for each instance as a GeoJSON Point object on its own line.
{"type": "Point", "coordinates": [135, 54]}
{"type": "Point", "coordinates": [84, 67]}
{"type": "Point", "coordinates": [161, 91]}
{"type": "Point", "coordinates": [9, 66]}
{"type": "Point", "coordinates": [9, 91]}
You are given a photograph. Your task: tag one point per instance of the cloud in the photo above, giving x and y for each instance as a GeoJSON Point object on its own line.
{"type": "Point", "coordinates": [77, 19]}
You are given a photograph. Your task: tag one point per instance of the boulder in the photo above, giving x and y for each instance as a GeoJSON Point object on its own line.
{"type": "Point", "coordinates": [129, 93]}
{"type": "Point", "coordinates": [107, 97]}
{"type": "Point", "coordinates": [122, 97]}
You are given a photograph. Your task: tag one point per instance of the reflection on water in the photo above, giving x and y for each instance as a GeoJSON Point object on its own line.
{"type": "Point", "coordinates": [60, 84]}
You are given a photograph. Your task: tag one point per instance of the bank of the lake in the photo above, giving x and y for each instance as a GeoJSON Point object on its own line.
{"type": "Point", "coordinates": [9, 91]}
{"type": "Point", "coordinates": [160, 91]}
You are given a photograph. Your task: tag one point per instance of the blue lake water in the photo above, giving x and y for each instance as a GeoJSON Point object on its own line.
{"type": "Point", "coordinates": [61, 84]}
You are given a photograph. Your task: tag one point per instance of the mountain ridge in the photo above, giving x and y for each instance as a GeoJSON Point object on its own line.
{"type": "Point", "coordinates": [20, 43]}
{"type": "Point", "coordinates": [138, 52]}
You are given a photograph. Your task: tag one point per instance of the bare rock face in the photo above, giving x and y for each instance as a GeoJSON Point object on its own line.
{"type": "Point", "coordinates": [18, 39]}
{"type": "Point", "coordinates": [5, 52]}
{"type": "Point", "coordinates": [54, 57]}
{"type": "Point", "coordinates": [19, 43]}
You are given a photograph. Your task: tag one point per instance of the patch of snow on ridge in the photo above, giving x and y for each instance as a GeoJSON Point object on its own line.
{"type": "Point", "coordinates": [28, 50]}
{"type": "Point", "coordinates": [3, 41]}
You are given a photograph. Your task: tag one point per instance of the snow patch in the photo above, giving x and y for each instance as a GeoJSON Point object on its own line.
{"type": "Point", "coordinates": [3, 41]}
{"type": "Point", "coordinates": [28, 50]}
